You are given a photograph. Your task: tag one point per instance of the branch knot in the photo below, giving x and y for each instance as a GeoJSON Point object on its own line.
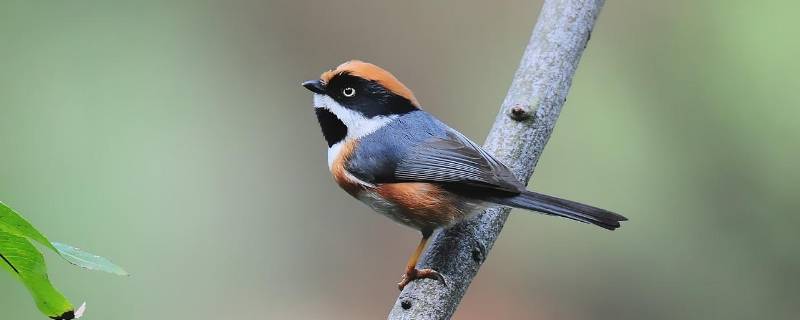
{"type": "Point", "coordinates": [520, 112]}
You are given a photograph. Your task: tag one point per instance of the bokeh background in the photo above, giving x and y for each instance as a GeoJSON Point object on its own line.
{"type": "Point", "coordinates": [174, 138]}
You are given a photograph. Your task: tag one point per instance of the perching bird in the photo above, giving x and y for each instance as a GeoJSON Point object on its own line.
{"type": "Point", "coordinates": [384, 150]}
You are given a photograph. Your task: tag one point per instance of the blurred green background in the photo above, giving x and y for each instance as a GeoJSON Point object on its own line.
{"type": "Point", "coordinates": [174, 138]}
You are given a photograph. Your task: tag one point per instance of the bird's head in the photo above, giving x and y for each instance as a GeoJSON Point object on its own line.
{"type": "Point", "coordinates": [357, 98]}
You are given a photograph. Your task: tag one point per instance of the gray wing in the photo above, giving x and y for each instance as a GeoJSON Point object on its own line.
{"type": "Point", "coordinates": [455, 159]}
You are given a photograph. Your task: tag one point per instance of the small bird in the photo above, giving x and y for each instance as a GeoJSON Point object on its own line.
{"type": "Point", "coordinates": [401, 161]}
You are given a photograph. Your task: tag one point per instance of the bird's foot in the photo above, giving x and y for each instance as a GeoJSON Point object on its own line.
{"type": "Point", "coordinates": [414, 274]}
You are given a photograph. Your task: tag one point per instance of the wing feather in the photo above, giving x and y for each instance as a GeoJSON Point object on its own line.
{"type": "Point", "coordinates": [455, 159]}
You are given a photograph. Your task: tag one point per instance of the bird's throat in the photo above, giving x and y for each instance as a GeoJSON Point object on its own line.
{"type": "Point", "coordinates": [333, 128]}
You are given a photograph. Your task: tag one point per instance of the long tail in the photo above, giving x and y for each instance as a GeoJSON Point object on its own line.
{"type": "Point", "coordinates": [563, 208]}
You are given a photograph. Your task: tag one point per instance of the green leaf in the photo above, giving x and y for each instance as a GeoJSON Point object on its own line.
{"type": "Point", "coordinates": [13, 223]}
{"type": "Point", "coordinates": [87, 260]}
{"type": "Point", "coordinates": [22, 259]}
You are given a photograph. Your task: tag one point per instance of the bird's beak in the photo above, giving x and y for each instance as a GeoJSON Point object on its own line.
{"type": "Point", "coordinates": [314, 86]}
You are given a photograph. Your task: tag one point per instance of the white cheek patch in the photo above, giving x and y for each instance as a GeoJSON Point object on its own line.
{"type": "Point", "coordinates": [357, 124]}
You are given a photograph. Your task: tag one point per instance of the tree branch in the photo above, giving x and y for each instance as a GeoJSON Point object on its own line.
{"type": "Point", "coordinates": [520, 132]}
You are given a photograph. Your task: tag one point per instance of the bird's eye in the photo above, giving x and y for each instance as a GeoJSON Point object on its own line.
{"type": "Point", "coordinates": [349, 92]}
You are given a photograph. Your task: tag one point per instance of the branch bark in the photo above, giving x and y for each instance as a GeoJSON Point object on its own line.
{"type": "Point", "coordinates": [520, 132]}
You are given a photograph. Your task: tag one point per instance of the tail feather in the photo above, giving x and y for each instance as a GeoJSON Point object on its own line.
{"type": "Point", "coordinates": [564, 208]}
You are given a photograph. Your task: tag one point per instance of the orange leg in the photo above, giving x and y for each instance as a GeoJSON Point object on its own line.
{"type": "Point", "coordinates": [412, 273]}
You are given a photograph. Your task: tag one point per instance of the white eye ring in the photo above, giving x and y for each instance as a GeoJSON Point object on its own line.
{"type": "Point", "coordinates": [349, 92]}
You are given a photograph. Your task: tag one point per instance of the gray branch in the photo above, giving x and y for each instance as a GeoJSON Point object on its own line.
{"type": "Point", "coordinates": [520, 132]}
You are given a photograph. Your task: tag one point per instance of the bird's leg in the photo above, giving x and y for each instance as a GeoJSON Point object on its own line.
{"type": "Point", "coordinates": [412, 273]}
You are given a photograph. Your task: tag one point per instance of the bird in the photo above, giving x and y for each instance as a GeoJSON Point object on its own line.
{"type": "Point", "coordinates": [403, 162]}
